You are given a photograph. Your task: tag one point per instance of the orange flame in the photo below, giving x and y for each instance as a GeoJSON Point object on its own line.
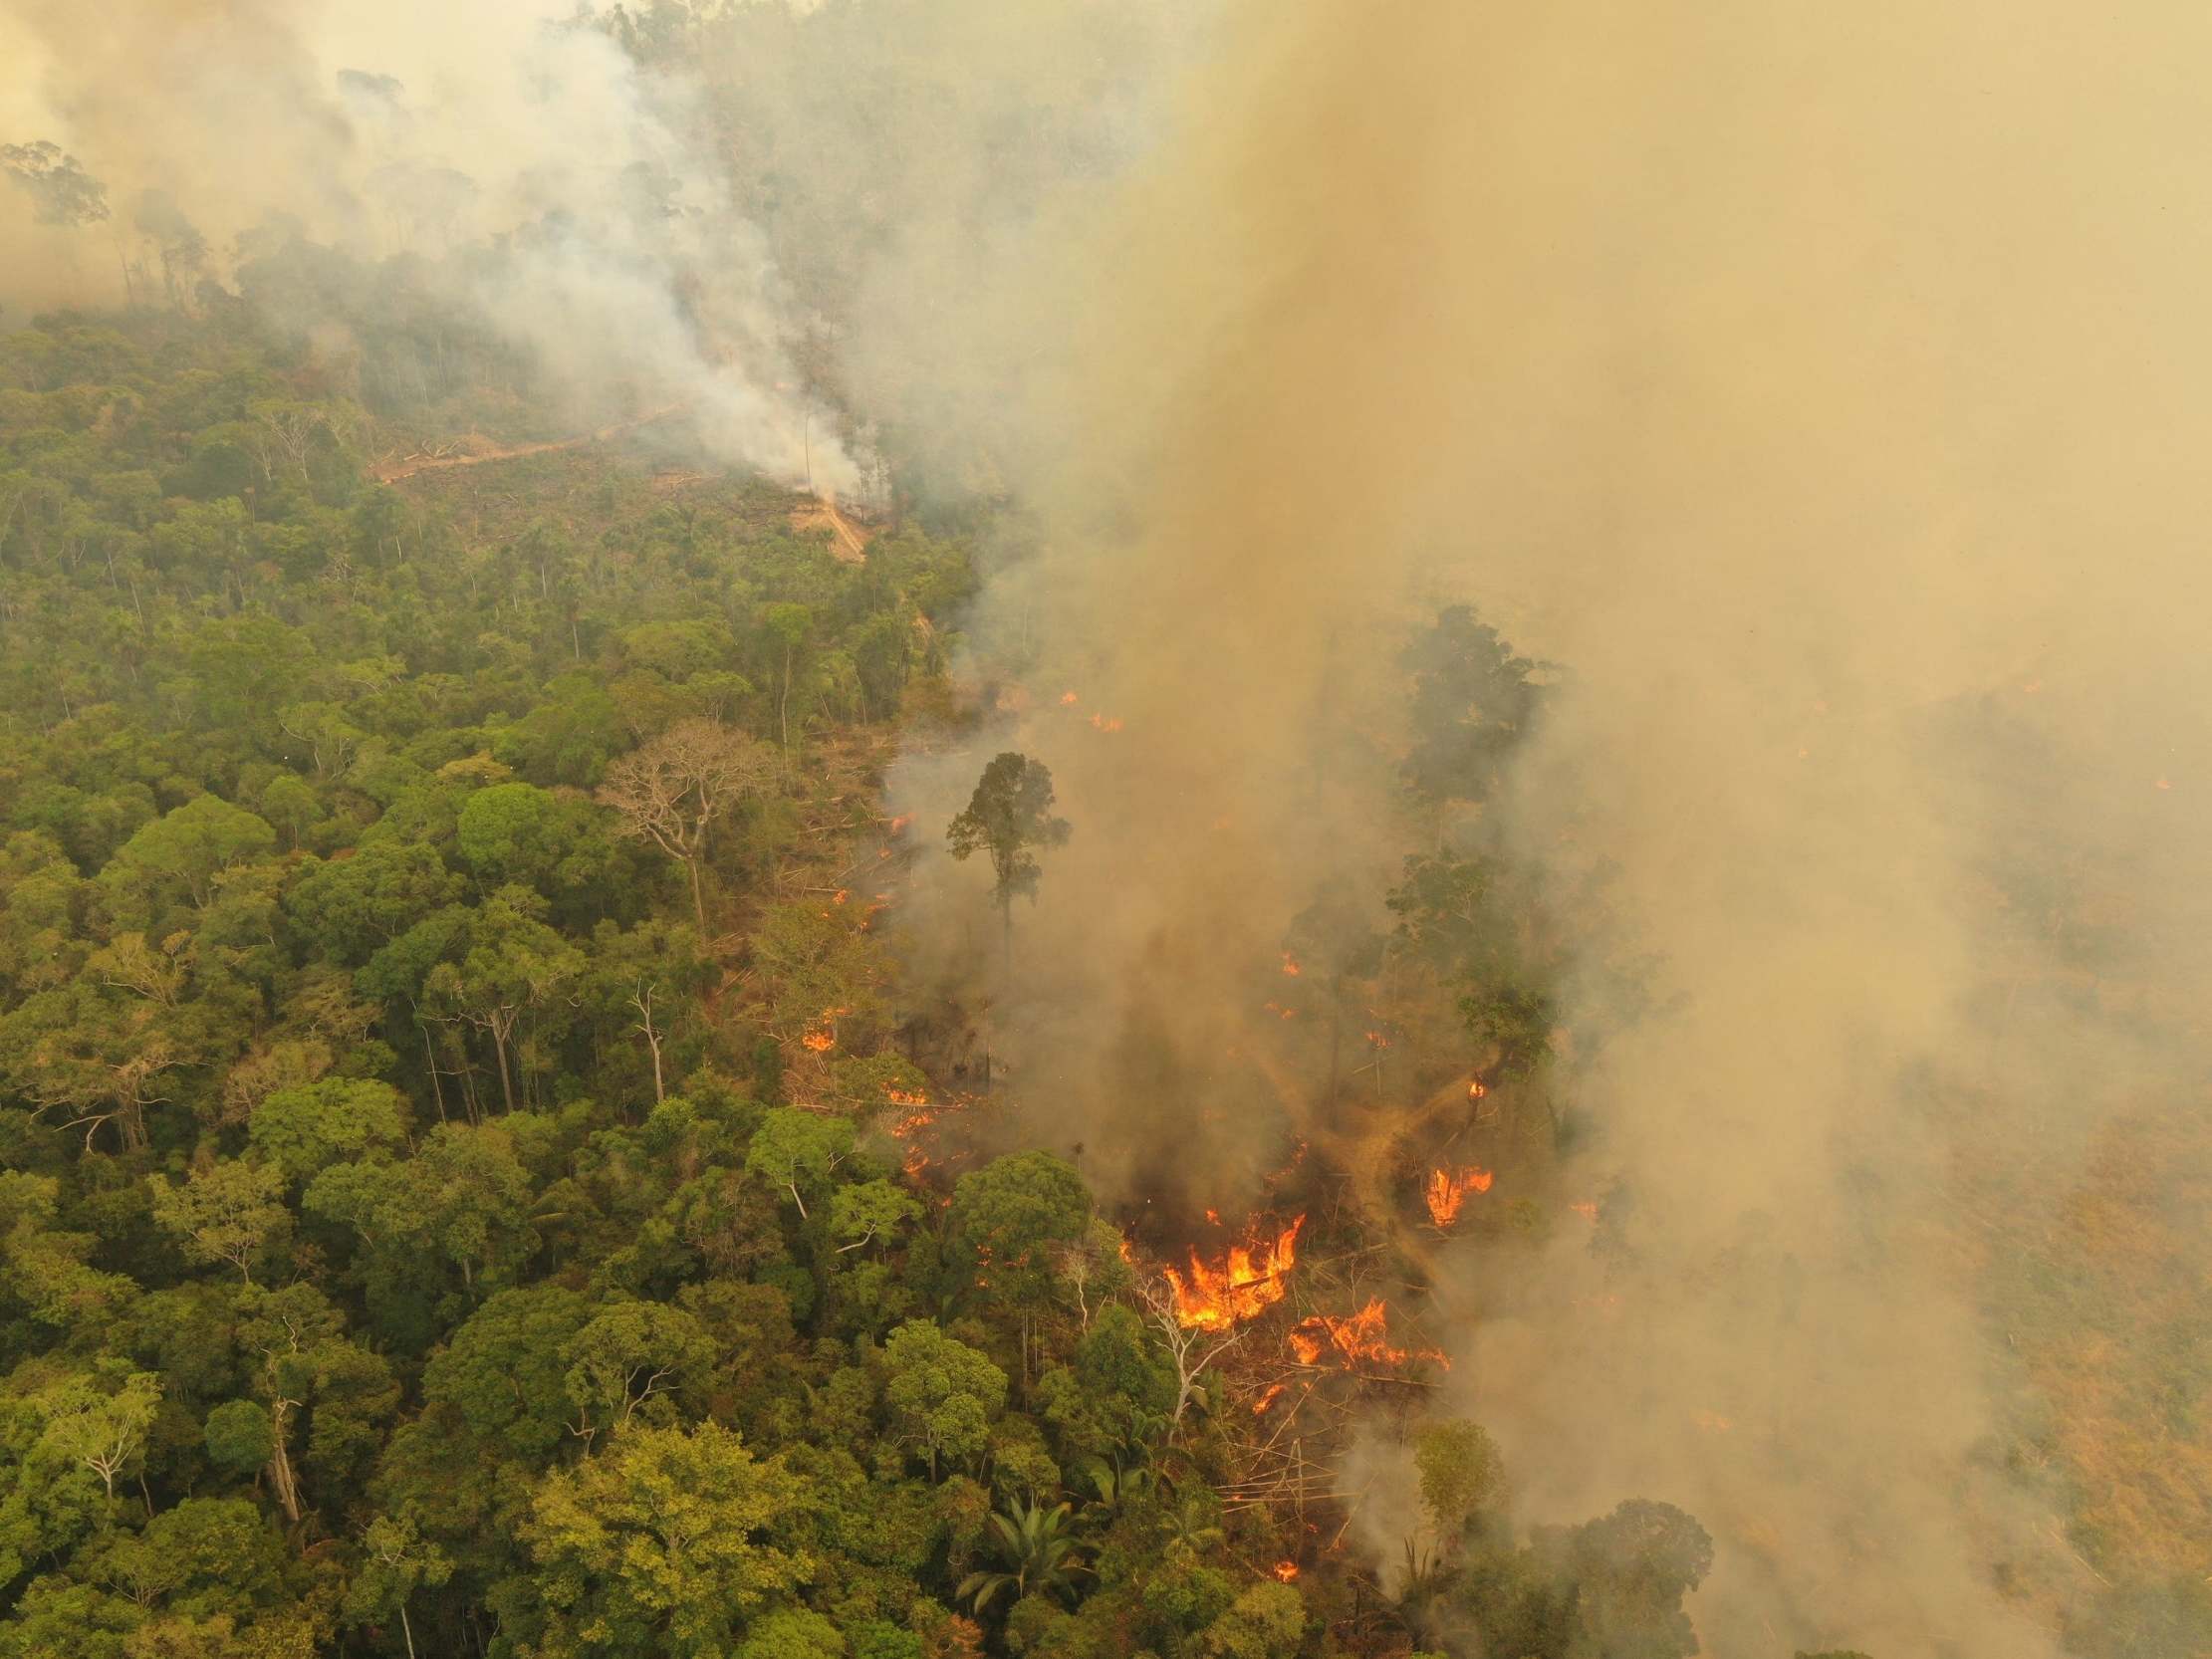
{"type": "Point", "coordinates": [1290, 965]}
{"type": "Point", "coordinates": [1285, 1570]}
{"type": "Point", "coordinates": [1448, 1190]}
{"type": "Point", "coordinates": [1712, 1422]}
{"type": "Point", "coordinates": [899, 822]}
{"type": "Point", "coordinates": [1477, 1089]}
{"type": "Point", "coordinates": [1361, 1338]}
{"type": "Point", "coordinates": [1587, 1210]}
{"type": "Point", "coordinates": [918, 1115]}
{"type": "Point", "coordinates": [841, 895]}
{"type": "Point", "coordinates": [821, 1042]}
{"type": "Point", "coordinates": [1068, 697]}
{"type": "Point", "coordinates": [1274, 1393]}
{"type": "Point", "coordinates": [1249, 1282]}
{"type": "Point", "coordinates": [1106, 722]}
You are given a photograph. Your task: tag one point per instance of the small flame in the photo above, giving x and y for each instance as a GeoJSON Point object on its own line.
{"type": "Point", "coordinates": [1250, 1280]}
{"type": "Point", "coordinates": [1586, 1209]}
{"type": "Point", "coordinates": [1477, 1088]}
{"type": "Point", "coordinates": [1290, 965]}
{"type": "Point", "coordinates": [841, 895]}
{"type": "Point", "coordinates": [1376, 1040]}
{"type": "Point", "coordinates": [899, 822]}
{"type": "Point", "coordinates": [1068, 697]}
{"type": "Point", "coordinates": [1214, 1216]}
{"type": "Point", "coordinates": [1447, 1189]}
{"type": "Point", "coordinates": [1274, 1393]}
{"type": "Point", "coordinates": [1360, 1338]}
{"type": "Point", "coordinates": [1285, 1570]}
{"type": "Point", "coordinates": [1106, 722]}
{"type": "Point", "coordinates": [918, 1115]}
{"type": "Point", "coordinates": [1712, 1422]}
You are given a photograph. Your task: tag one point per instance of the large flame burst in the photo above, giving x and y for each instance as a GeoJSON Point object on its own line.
{"type": "Point", "coordinates": [1360, 1339]}
{"type": "Point", "coordinates": [1447, 1189]}
{"type": "Point", "coordinates": [1250, 1280]}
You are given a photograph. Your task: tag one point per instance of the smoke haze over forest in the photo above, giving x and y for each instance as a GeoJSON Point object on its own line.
{"type": "Point", "coordinates": [1817, 394]}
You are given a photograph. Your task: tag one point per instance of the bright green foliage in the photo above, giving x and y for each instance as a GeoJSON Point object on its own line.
{"type": "Point", "coordinates": [520, 834]}
{"type": "Point", "coordinates": [1037, 1555]}
{"type": "Point", "coordinates": [304, 1128]}
{"type": "Point", "coordinates": [43, 1269]}
{"type": "Point", "coordinates": [1265, 1621]}
{"type": "Point", "coordinates": [881, 1639]}
{"type": "Point", "coordinates": [633, 1356]}
{"type": "Point", "coordinates": [187, 851]}
{"type": "Point", "coordinates": [942, 1395]}
{"type": "Point", "coordinates": [1012, 1219]}
{"type": "Point", "coordinates": [514, 967]}
{"type": "Point", "coordinates": [869, 1211]}
{"type": "Point", "coordinates": [223, 1211]}
{"type": "Point", "coordinates": [797, 1150]}
{"type": "Point", "coordinates": [100, 1424]}
{"type": "Point", "coordinates": [504, 1371]}
{"type": "Point", "coordinates": [349, 908]}
{"type": "Point", "coordinates": [669, 1541]}
{"type": "Point", "coordinates": [792, 1633]}
{"type": "Point", "coordinates": [1116, 1393]}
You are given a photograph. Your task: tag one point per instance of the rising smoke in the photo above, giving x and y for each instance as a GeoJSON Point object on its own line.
{"type": "Point", "coordinates": [1820, 386]}
{"type": "Point", "coordinates": [1823, 388]}
{"type": "Point", "coordinates": [517, 169]}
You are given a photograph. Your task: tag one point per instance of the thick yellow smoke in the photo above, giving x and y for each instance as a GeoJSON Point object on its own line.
{"type": "Point", "coordinates": [1824, 386]}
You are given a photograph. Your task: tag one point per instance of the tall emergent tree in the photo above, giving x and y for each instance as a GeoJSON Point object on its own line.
{"type": "Point", "coordinates": [1010, 816]}
{"type": "Point", "coordinates": [671, 791]}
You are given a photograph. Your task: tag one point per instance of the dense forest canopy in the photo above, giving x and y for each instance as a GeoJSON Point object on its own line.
{"type": "Point", "coordinates": [457, 1071]}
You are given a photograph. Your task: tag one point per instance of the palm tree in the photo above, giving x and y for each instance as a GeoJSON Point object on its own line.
{"type": "Point", "coordinates": [1420, 1596]}
{"type": "Point", "coordinates": [1036, 1553]}
{"type": "Point", "coordinates": [1194, 1526]}
{"type": "Point", "coordinates": [1117, 1488]}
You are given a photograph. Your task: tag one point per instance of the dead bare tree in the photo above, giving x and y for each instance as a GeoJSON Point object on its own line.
{"type": "Point", "coordinates": [1187, 1345]}
{"type": "Point", "coordinates": [101, 1090]}
{"type": "Point", "coordinates": [643, 1000]}
{"type": "Point", "coordinates": [673, 790]}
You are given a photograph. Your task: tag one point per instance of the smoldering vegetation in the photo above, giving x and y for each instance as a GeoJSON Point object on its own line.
{"type": "Point", "coordinates": [736, 209]}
